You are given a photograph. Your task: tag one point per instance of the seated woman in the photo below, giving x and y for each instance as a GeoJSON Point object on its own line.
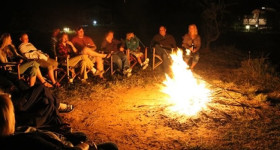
{"type": "Point", "coordinates": [132, 44]}
{"type": "Point", "coordinates": [66, 49]}
{"type": "Point", "coordinates": [32, 138]}
{"type": "Point", "coordinates": [109, 45]}
{"type": "Point", "coordinates": [9, 52]}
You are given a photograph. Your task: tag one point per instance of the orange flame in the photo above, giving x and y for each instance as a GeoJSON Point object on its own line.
{"type": "Point", "coordinates": [188, 95]}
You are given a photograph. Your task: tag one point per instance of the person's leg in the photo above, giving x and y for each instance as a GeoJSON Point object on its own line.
{"type": "Point", "coordinates": [32, 81]}
{"type": "Point", "coordinates": [33, 66]}
{"type": "Point", "coordinates": [41, 78]}
{"type": "Point", "coordinates": [166, 63]}
{"type": "Point", "coordinates": [195, 60]}
{"type": "Point", "coordinates": [117, 60]}
{"type": "Point", "coordinates": [51, 64]}
{"type": "Point", "coordinates": [75, 60]}
{"type": "Point", "coordinates": [99, 63]}
{"type": "Point", "coordinates": [90, 52]}
{"type": "Point", "coordinates": [164, 55]}
{"type": "Point", "coordinates": [124, 60]}
{"type": "Point", "coordinates": [83, 70]}
{"type": "Point", "coordinates": [138, 56]}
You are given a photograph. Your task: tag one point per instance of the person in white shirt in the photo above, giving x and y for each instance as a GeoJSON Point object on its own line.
{"type": "Point", "coordinates": [31, 52]}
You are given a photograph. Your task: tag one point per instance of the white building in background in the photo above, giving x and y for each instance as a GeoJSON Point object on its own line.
{"type": "Point", "coordinates": [256, 20]}
{"type": "Point", "coordinates": [264, 18]}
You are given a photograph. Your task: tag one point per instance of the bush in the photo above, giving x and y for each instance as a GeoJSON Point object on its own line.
{"type": "Point", "coordinates": [259, 71]}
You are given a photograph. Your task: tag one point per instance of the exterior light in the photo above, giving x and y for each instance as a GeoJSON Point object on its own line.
{"type": "Point", "coordinates": [66, 29]}
{"type": "Point", "coordinates": [247, 27]}
{"type": "Point", "coordinates": [263, 7]}
{"type": "Point", "coordinates": [256, 25]}
{"type": "Point", "coordinates": [94, 22]}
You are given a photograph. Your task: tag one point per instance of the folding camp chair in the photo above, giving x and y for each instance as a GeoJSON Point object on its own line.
{"type": "Point", "coordinates": [109, 64]}
{"type": "Point", "coordinates": [157, 60]}
{"type": "Point", "coordinates": [12, 67]}
{"type": "Point", "coordinates": [132, 59]}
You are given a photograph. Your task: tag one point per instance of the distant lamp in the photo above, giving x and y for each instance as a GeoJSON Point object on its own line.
{"type": "Point", "coordinates": [263, 7]}
{"type": "Point", "coordinates": [247, 27]}
{"type": "Point", "coordinates": [256, 25]}
{"type": "Point", "coordinates": [66, 29]}
{"type": "Point", "coordinates": [94, 22]}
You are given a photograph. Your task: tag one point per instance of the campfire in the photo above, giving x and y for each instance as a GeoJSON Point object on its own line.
{"type": "Point", "coordinates": [188, 95]}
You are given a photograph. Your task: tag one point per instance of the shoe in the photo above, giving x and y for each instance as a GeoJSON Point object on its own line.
{"type": "Point", "coordinates": [99, 73]}
{"type": "Point", "coordinates": [71, 80]}
{"type": "Point", "coordinates": [84, 81]}
{"type": "Point", "coordinates": [128, 74]}
{"type": "Point", "coordinates": [127, 71]}
{"type": "Point", "coordinates": [68, 109]}
{"type": "Point", "coordinates": [145, 66]}
{"type": "Point", "coordinates": [93, 70]}
{"type": "Point", "coordinates": [146, 61]}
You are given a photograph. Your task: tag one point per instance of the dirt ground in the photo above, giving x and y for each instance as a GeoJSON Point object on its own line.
{"type": "Point", "coordinates": [136, 117]}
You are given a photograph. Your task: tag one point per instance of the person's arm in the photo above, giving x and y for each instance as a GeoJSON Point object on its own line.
{"type": "Point", "coordinates": [90, 43]}
{"type": "Point", "coordinates": [154, 41]}
{"type": "Point", "coordinates": [186, 42]}
{"type": "Point", "coordinates": [197, 44]}
{"type": "Point", "coordinates": [104, 47]}
{"type": "Point", "coordinates": [72, 46]}
{"type": "Point", "coordinates": [63, 52]}
{"type": "Point", "coordinates": [173, 42]}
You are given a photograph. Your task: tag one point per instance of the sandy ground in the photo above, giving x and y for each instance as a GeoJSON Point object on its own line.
{"type": "Point", "coordinates": [137, 118]}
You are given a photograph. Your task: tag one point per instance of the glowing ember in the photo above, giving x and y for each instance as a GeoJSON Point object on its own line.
{"type": "Point", "coordinates": [188, 94]}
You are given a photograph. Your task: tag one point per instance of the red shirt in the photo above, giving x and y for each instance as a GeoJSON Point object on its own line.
{"type": "Point", "coordinates": [64, 50]}
{"type": "Point", "coordinates": [80, 43]}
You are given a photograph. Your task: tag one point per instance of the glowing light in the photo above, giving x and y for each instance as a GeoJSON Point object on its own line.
{"type": "Point", "coordinates": [256, 25]}
{"type": "Point", "coordinates": [94, 22]}
{"type": "Point", "coordinates": [188, 95]}
{"type": "Point", "coordinates": [247, 27]}
{"type": "Point", "coordinates": [66, 29]}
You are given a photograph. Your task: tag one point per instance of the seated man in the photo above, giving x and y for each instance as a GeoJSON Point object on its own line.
{"type": "Point", "coordinates": [163, 44]}
{"type": "Point", "coordinates": [132, 44]}
{"type": "Point", "coordinates": [36, 106]}
{"type": "Point", "coordinates": [109, 45]}
{"type": "Point", "coordinates": [66, 49]}
{"type": "Point", "coordinates": [86, 46]}
{"type": "Point", "coordinates": [32, 53]}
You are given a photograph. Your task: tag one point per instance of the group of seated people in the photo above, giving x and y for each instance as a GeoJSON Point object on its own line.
{"type": "Point", "coordinates": [30, 115]}
{"type": "Point", "coordinates": [165, 43]}
{"type": "Point", "coordinates": [81, 53]}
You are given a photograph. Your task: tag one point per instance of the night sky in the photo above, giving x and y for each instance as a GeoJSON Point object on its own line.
{"type": "Point", "coordinates": [140, 16]}
{"type": "Point", "coordinates": [28, 15]}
